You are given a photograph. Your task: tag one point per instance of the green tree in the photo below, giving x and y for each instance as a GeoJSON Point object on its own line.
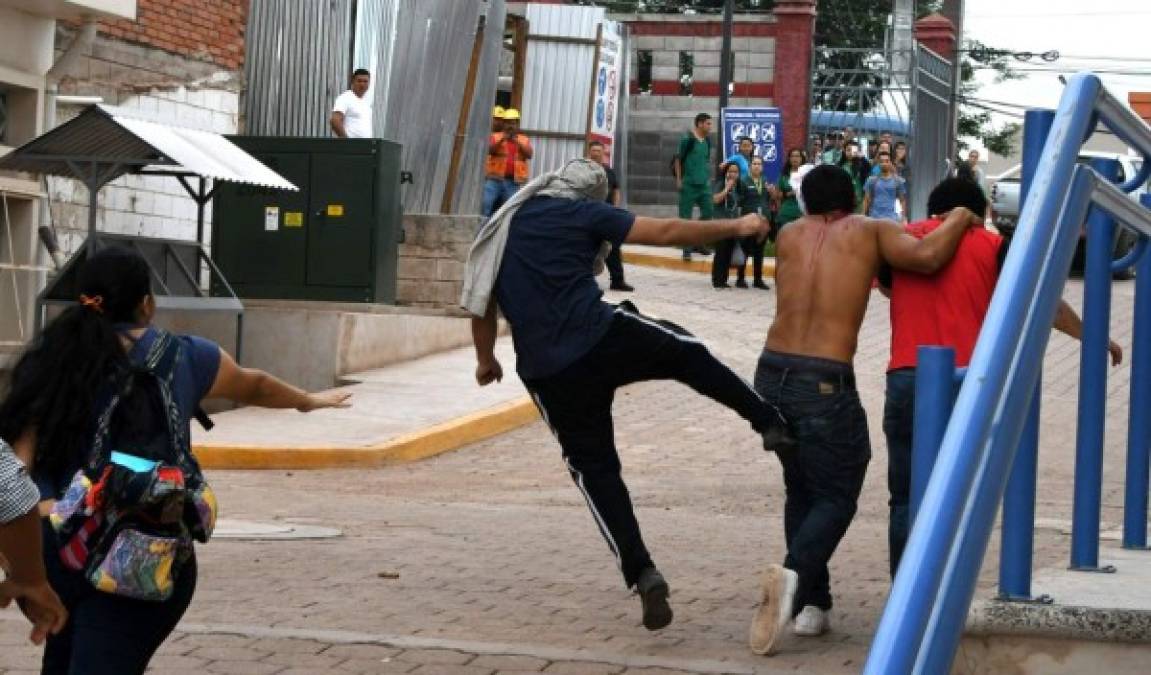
{"type": "Point", "coordinates": [975, 120]}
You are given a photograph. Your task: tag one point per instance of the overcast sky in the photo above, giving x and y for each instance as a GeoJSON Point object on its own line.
{"type": "Point", "coordinates": [1098, 35]}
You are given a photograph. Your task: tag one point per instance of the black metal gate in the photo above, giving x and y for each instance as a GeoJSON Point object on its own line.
{"type": "Point", "coordinates": [907, 94]}
{"type": "Point", "coordinates": [932, 109]}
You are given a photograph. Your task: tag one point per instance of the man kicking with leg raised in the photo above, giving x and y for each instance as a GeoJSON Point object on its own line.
{"type": "Point", "coordinates": [825, 264]}
{"type": "Point", "coordinates": [534, 261]}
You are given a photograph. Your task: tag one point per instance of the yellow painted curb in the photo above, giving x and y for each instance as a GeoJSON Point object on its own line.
{"type": "Point", "coordinates": [680, 265]}
{"type": "Point", "coordinates": [434, 440]}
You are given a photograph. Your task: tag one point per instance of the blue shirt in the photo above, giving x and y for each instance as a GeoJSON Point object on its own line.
{"type": "Point", "coordinates": [193, 378]}
{"type": "Point", "coordinates": [546, 288]}
{"type": "Point", "coordinates": [884, 193]}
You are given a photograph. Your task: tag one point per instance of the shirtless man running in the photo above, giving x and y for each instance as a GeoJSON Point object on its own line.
{"type": "Point", "coordinates": [825, 264]}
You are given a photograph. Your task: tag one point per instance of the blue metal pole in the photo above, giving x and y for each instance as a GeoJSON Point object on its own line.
{"type": "Point", "coordinates": [1139, 421]}
{"type": "Point", "coordinates": [962, 564]}
{"type": "Point", "coordinates": [903, 629]}
{"type": "Point", "coordinates": [1093, 382]}
{"type": "Point", "coordinates": [1036, 127]}
{"type": "Point", "coordinates": [1018, 533]}
{"type": "Point", "coordinates": [934, 394]}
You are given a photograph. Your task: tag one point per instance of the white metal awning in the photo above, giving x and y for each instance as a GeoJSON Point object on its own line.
{"type": "Point", "coordinates": [116, 141]}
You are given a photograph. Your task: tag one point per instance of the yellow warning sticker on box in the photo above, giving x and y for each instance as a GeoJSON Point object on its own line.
{"type": "Point", "coordinates": [335, 210]}
{"type": "Point", "coordinates": [293, 218]}
{"type": "Point", "coordinates": [271, 218]}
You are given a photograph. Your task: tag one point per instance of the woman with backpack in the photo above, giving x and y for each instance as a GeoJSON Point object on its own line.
{"type": "Point", "coordinates": [99, 409]}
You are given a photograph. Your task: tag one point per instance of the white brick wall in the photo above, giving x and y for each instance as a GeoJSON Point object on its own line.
{"type": "Point", "coordinates": [151, 206]}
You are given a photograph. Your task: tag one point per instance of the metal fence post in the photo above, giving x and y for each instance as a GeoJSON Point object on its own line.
{"type": "Point", "coordinates": [1139, 422]}
{"type": "Point", "coordinates": [1018, 533]}
{"type": "Point", "coordinates": [934, 396]}
{"type": "Point", "coordinates": [1093, 383]}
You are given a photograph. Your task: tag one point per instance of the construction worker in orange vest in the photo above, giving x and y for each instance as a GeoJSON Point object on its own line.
{"type": "Point", "coordinates": [507, 167]}
{"type": "Point", "coordinates": [497, 119]}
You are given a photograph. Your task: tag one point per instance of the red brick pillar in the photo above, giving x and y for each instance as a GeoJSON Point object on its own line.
{"type": "Point", "coordinates": [937, 33]}
{"type": "Point", "coordinates": [795, 30]}
{"type": "Point", "coordinates": [1141, 103]}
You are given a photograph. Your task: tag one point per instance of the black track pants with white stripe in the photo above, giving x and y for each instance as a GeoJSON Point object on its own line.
{"type": "Point", "coordinates": [576, 404]}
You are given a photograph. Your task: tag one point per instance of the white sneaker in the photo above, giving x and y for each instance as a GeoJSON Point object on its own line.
{"type": "Point", "coordinates": [812, 621]}
{"type": "Point", "coordinates": [774, 613]}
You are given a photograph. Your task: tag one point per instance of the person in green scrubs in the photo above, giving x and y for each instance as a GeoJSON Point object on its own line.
{"type": "Point", "coordinates": [693, 173]}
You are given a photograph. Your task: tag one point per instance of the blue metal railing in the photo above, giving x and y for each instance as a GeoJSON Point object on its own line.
{"type": "Point", "coordinates": [923, 620]}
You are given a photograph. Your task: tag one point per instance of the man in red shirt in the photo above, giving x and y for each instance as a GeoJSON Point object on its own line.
{"type": "Point", "coordinates": [947, 309]}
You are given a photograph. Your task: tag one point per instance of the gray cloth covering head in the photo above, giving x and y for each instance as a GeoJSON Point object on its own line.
{"type": "Point", "coordinates": [577, 179]}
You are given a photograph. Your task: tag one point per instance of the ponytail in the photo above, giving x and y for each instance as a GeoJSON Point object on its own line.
{"type": "Point", "coordinates": [56, 384]}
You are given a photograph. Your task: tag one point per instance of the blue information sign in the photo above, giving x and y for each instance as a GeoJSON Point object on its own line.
{"type": "Point", "coordinates": [764, 126]}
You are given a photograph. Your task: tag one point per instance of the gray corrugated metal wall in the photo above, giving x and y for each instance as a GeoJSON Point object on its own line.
{"type": "Point", "coordinates": [418, 51]}
{"type": "Point", "coordinates": [296, 64]}
{"type": "Point", "coordinates": [557, 81]}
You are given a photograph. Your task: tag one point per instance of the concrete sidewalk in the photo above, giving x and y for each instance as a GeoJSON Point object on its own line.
{"type": "Point", "coordinates": [399, 413]}
{"type": "Point", "coordinates": [670, 258]}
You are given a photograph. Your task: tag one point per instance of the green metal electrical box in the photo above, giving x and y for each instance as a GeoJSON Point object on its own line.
{"type": "Point", "coordinates": [336, 239]}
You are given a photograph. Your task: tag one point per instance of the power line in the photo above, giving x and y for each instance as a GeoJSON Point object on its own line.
{"type": "Point", "coordinates": [1054, 69]}
{"type": "Point", "coordinates": [1045, 15]}
{"type": "Point", "coordinates": [1132, 59]}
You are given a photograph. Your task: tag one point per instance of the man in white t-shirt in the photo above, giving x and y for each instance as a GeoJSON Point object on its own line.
{"type": "Point", "coordinates": [352, 113]}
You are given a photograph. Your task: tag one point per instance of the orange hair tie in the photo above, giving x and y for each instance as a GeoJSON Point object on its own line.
{"type": "Point", "coordinates": [95, 302]}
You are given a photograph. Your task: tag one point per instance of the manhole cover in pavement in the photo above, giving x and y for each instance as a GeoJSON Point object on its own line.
{"type": "Point", "coordinates": [246, 529]}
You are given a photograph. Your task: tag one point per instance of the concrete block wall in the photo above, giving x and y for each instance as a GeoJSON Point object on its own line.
{"type": "Point", "coordinates": [432, 257]}
{"type": "Point", "coordinates": [169, 87]}
{"type": "Point", "coordinates": [659, 119]}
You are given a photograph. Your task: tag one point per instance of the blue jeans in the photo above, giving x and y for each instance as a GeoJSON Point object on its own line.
{"type": "Point", "coordinates": [898, 420]}
{"type": "Point", "coordinates": [496, 192]}
{"type": "Point", "coordinates": [108, 634]}
{"type": "Point", "coordinates": [824, 470]}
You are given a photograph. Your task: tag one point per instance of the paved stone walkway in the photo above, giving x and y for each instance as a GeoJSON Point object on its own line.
{"type": "Point", "coordinates": [486, 560]}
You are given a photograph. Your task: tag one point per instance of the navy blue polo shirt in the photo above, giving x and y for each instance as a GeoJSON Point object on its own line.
{"type": "Point", "coordinates": [545, 286]}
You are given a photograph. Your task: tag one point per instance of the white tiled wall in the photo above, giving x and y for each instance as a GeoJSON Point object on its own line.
{"type": "Point", "coordinates": [152, 206]}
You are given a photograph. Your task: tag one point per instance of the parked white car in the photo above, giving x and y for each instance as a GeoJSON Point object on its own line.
{"type": "Point", "coordinates": [1005, 202]}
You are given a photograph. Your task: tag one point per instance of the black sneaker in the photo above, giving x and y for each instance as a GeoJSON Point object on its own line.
{"type": "Point", "coordinates": [759, 283]}
{"type": "Point", "coordinates": [740, 283]}
{"type": "Point", "coordinates": [622, 286]}
{"type": "Point", "coordinates": [653, 591]}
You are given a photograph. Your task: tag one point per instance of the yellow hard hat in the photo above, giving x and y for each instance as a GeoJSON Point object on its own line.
{"type": "Point", "coordinates": [511, 114]}
{"type": "Point", "coordinates": [498, 111]}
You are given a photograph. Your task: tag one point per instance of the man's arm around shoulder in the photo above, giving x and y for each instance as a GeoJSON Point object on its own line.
{"type": "Point", "coordinates": [927, 255]}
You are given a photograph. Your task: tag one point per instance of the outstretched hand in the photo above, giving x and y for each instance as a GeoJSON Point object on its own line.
{"type": "Point", "coordinates": [1116, 353]}
{"type": "Point", "coordinates": [753, 224]}
{"type": "Point", "coordinates": [331, 399]}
